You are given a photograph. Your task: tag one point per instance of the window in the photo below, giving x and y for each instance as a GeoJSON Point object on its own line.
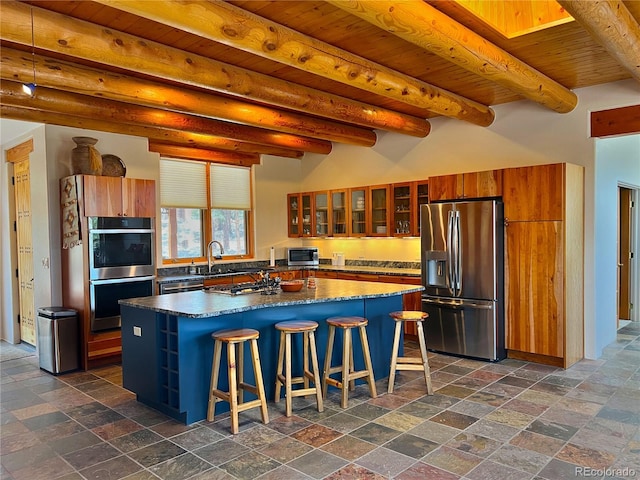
{"type": "Point", "coordinates": [201, 202]}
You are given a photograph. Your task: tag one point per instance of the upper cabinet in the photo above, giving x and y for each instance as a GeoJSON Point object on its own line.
{"type": "Point", "coordinates": [118, 197]}
{"type": "Point", "coordinates": [294, 215]}
{"type": "Point", "coordinates": [321, 221]}
{"type": "Point", "coordinates": [404, 214]}
{"type": "Point", "coordinates": [359, 214]}
{"type": "Point", "coordinates": [421, 198]}
{"type": "Point", "coordinates": [534, 193]}
{"type": "Point", "coordinates": [339, 213]}
{"type": "Point", "coordinates": [379, 215]}
{"type": "Point", "coordinates": [465, 185]}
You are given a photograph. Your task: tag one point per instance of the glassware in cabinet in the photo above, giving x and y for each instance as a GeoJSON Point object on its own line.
{"type": "Point", "coordinates": [422, 198]}
{"type": "Point", "coordinates": [358, 205]}
{"type": "Point", "coordinates": [404, 217]}
{"type": "Point", "coordinates": [306, 213]}
{"type": "Point", "coordinates": [321, 203]}
{"type": "Point", "coordinates": [379, 214]}
{"type": "Point", "coordinates": [294, 214]}
{"type": "Point", "coordinates": [339, 213]}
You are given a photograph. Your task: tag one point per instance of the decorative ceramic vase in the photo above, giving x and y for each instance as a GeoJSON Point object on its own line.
{"type": "Point", "coordinates": [85, 158]}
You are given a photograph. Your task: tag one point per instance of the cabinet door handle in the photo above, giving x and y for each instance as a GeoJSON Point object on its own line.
{"type": "Point", "coordinates": [506, 222]}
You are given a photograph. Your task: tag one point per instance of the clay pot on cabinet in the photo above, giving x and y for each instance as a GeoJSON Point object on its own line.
{"type": "Point", "coordinates": [85, 158]}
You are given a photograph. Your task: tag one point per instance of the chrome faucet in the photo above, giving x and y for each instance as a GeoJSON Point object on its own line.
{"type": "Point", "coordinates": [217, 257]}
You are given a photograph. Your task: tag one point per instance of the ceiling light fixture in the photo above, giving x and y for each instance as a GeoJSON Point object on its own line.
{"type": "Point", "coordinates": [30, 88]}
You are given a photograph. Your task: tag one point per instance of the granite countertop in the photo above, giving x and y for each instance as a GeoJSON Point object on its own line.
{"type": "Point", "coordinates": [391, 271]}
{"type": "Point", "coordinates": [202, 304]}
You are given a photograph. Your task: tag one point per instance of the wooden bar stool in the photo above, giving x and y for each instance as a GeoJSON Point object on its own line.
{"type": "Point", "coordinates": [307, 328]}
{"type": "Point", "coordinates": [409, 363]}
{"type": "Point", "coordinates": [349, 374]}
{"type": "Point", "coordinates": [237, 385]}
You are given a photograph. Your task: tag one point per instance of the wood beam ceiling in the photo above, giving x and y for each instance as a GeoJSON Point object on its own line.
{"type": "Point", "coordinates": [611, 24]}
{"type": "Point", "coordinates": [232, 26]}
{"type": "Point", "coordinates": [70, 37]}
{"type": "Point", "coordinates": [418, 22]}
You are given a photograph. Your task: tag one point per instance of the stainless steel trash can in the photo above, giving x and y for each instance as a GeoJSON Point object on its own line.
{"type": "Point", "coordinates": [58, 342]}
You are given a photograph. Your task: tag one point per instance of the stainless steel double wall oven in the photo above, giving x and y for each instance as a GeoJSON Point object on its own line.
{"type": "Point", "coordinates": [121, 265]}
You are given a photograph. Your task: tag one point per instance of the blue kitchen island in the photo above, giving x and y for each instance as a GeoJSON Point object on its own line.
{"type": "Point", "coordinates": [167, 347]}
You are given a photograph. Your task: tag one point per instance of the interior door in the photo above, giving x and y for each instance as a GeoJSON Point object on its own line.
{"type": "Point", "coordinates": [624, 255]}
{"type": "Point", "coordinates": [25, 249]}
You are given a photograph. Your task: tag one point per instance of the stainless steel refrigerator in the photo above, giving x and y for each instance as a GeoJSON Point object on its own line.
{"type": "Point", "coordinates": [462, 252]}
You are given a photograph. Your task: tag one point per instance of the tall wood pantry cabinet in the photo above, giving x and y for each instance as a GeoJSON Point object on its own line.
{"type": "Point", "coordinates": [544, 263]}
{"type": "Point", "coordinates": [99, 196]}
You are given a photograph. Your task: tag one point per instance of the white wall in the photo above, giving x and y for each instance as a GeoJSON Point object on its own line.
{"type": "Point", "coordinates": [617, 162]}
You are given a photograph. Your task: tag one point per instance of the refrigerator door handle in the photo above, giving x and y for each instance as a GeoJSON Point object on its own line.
{"type": "Point", "coordinates": [450, 266]}
{"type": "Point", "coordinates": [457, 288]}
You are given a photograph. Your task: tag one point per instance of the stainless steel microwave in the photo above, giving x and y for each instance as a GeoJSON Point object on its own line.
{"type": "Point", "coordinates": [303, 256]}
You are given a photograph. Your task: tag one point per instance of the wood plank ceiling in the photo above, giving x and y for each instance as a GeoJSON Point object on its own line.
{"type": "Point", "coordinates": [231, 81]}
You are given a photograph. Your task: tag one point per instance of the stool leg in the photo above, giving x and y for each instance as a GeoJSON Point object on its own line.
{"type": "Point", "coordinates": [367, 361]}
{"type": "Point", "coordinates": [327, 360]}
{"type": "Point", "coordinates": [233, 387]}
{"type": "Point", "coordinates": [255, 358]}
{"type": "Point", "coordinates": [394, 357]}
{"type": "Point", "coordinates": [346, 365]}
{"type": "Point", "coordinates": [425, 361]}
{"type": "Point", "coordinates": [280, 367]}
{"type": "Point", "coordinates": [316, 373]}
{"type": "Point", "coordinates": [305, 359]}
{"type": "Point", "coordinates": [287, 363]}
{"type": "Point", "coordinates": [215, 373]}
{"type": "Point", "coordinates": [240, 372]}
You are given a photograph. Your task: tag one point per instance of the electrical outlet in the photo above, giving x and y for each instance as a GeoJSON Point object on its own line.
{"type": "Point", "coordinates": [137, 331]}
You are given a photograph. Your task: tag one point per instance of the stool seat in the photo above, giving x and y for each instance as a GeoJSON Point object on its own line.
{"type": "Point", "coordinates": [235, 370]}
{"type": "Point", "coordinates": [408, 315]}
{"type": "Point", "coordinates": [409, 363]}
{"type": "Point", "coordinates": [348, 322]}
{"type": "Point", "coordinates": [235, 335]}
{"type": "Point", "coordinates": [307, 328]}
{"type": "Point", "coordinates": [295, 326]}
{"type": "Point", "coordinates": [347, 370]}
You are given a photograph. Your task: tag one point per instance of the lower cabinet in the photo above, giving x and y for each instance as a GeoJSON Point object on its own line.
{"type": "Point", "coordinates": [410, 301]}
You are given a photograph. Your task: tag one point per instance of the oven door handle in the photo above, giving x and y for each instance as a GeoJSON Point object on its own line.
{"type": "Point", "coordinates": [121, 230]}
{"type": "Point", "coordinates": [123, 280]}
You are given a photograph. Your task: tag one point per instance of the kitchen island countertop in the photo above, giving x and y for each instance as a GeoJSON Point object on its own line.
{"type": "Point", "coordinates": [203, 304]}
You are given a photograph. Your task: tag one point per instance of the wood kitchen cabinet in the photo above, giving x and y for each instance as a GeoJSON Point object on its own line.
{"type": "Point", "coordinates": [544, 258]}
{"type": "Point", "coordinates": [321, 213]}
{"type": "Point", "coordinates": [465, 185]}
{"type": "Point", "coordinates": [300, 214]}
{"type": "Point", "coordinates": [379, 216]}
{"type": "Point", "coordinates": [339, 214]}
{"type": "Point", "coordinates": [118, 196]}
{"type": "Point", "coordinates": [534, 193]}
{"type": "Point", "coordinates": [421, 198]}
{"type": "Point", "coordinates": [404, 223]}
{"type": "Point", "coordinates": [359, 211]}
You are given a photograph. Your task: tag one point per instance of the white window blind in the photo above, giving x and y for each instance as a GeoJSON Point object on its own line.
{"type": "Point", "coordinates": [230, 187]}
{"type": "Point", "coordinates": [183, 184]}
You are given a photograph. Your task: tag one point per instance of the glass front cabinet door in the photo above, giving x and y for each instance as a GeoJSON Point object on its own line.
{"type": "Point", "coordinates": [294, 215]}
{"type": "Point", "coordinates": [321, 221]}
{"type": "Point", "coordinates": [379, 217]}
{"type": "Point", "coordinates": [422, 198]}
{"type": "Point", "coordinates": [404, 219]}
{"type": "Point", "coordinates": [358, 204]}
{"type": "Point", "coordinates": [339, 213]}
{"type": "Point", "coordinates": [306, 213]}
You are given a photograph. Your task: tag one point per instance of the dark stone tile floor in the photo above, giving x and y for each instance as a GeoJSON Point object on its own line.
{"type": "Point", "coordinates": [510, 420]}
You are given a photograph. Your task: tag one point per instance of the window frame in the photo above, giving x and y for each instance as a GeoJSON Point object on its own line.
{"type": "Point", "coordinates": [206, 220]}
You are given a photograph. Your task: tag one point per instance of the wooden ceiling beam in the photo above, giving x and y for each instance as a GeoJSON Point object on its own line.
{"type": "Point", "coordinates": [52, 100]}
{"type": "Point", "coordinates": [190, 153]}
{"type": "Point", "coordinates": [616, 121]}
{"type": "Point", "coordinates": [50, 72]}
{"type": "Point", "coordinates": [70, 37]}
{"type": "Point", "coordinates": [419, 23]}
{"type": "Point", "coordinates": [611, 24]}
{"type": "Point", "coordinates": [176, 137]}
{"type": "Point", "coordinates": [232, 26]}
